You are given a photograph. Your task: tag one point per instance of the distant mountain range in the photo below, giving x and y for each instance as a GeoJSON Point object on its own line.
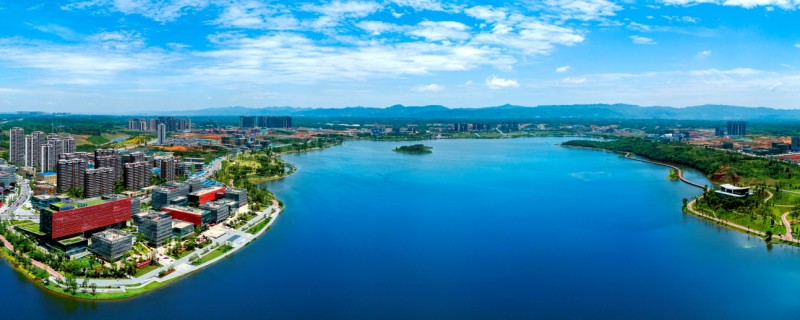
{"type": "Point", "coordinates": [588, 111]}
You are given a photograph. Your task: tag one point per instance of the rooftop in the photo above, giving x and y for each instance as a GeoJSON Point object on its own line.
{"type": "Point", "coordinates": [732, 187]}
{"type": "Point", "coordinates": [185, 209]}
{"type": "Point", "coordinates": [111, 234]}
{"type": "Point", "coordinates": [181, 224]}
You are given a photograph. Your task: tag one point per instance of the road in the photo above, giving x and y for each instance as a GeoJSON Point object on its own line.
{"type": "Point", "coordinates": [16, 206]}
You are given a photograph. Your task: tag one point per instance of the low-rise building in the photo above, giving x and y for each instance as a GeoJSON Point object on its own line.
{"type": "Point", "coordinates": [111, 244]}
{"type": "Point", "coordinates": [733, 191]}
{"type": "Point", "coordinates": [205, 195]}
{"type": "Point", "coordinates": [237, 195]}
{"type": "Point", "coordinates": [181, 229]}
{"type": "Point", "coordinates": [198, 217]}
{"type": "Point", "coordinates": [71, 217]}
{"type": "Point", "coordinates": [156, 227]}
{"type": "Point", "coordinates": [219, 210]}
{"type": "Point", "coordinates": [43, 201]}
{"type": "Point", "coordinates": [168, 194]}
{"type": "Point", "coordinates": [49, 177]}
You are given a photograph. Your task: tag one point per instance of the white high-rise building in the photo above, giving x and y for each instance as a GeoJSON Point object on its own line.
{"type": "Point", "coordinates": [48, 158]}
{"type": "Point", "coordinates": [33, 148]}
{"type": "Point", "coordinates": [162, 133]}
{"type": "Point", "coordinates": [16, 146]}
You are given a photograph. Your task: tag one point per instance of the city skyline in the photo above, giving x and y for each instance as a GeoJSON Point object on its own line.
{"type": "Point", "coordinates": [139, 56]}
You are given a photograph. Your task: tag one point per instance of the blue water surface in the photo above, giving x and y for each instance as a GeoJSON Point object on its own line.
{"type": "Point", "coordinates": [480, 229]}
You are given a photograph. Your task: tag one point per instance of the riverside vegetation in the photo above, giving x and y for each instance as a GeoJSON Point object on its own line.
{"type": "Point", "coordinates": [774, 182]}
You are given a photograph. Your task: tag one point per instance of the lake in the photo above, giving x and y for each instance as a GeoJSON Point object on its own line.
{"type": "Point", "coordinates": [487, 229]}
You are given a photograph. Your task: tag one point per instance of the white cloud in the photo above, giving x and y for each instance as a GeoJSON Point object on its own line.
{"type": "Point", "coordinates": [487, 13]}
{"type": "Point", "coordinates": [118, 40]}
{"type": "Point", "coordinates": [797, 45]}
{"type": "Point", "coordinates": [78, 64]}
{"type": "Point", "coordinates": [256, 15]}
{"type": "Point", "coordinates": [583, 9]}
{"type": "Point", "coordinates": [378, 27]}
{"type": "Point", "coordinates": [747, 4]}
{"type": "Point", "coordinates": [571, 80]}
{"type": "Point", "coordinates": [441, 30]}
{"type": "Point", "coordinates": [60, 31]}
{"type": "Point", "coordinates": [333, 13]}
{"type": "Point", "coordinates": [704, 53]}
{"type": "Point", "coordinates": [294, 58]}
{"type": "Point", "coordinates": [421, 5]}
{"type": "Point", "coordinates": [562, 69]}
{"type": "Point", "coordinates": [429, 88]}
{"type": "Point", "coordinates": [349, 9]}
{"type": "Point", "coordinates": [533, 38]}
{"type": "Point", "coordinates": [157, 10]}
{"type": "Point", "coordinates": [494, 82]}
{"type": "Point", "coordinates": [642, 40]}
{"type": "Point", "coordinates": [683, 19]}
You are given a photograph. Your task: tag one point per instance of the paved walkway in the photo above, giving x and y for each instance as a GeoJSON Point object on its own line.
{"type": "Point", "coordinates": [690, 207]}
{"type": "Point", "coordinates": [788, 236]}
{"type": "Point", "coordinates": [33, 262]}
{"type": "Point", "coordinates": [680, 172]}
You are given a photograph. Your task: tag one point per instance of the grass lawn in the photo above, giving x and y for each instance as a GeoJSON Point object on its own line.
{"type": "Point", "coordinates": [142, 271]}
{"type": "Point", "coordinates": [211, 255]}
{"type": "Point", "coordinates": [141, 248]}
{"type": "Point", "coordinates": [258, 226]}
{"type": "Point", "coordinates": [97, 140]}
{"type": "Point", "coordinates": [29, 226]}
{"type": "Point", "coordinates": [112, 295]}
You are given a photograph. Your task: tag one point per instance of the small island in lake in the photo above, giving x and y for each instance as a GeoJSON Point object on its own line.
{"type": "Point", "coordinates": [414, 149]}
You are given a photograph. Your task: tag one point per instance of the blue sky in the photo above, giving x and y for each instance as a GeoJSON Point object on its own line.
{"type": "Point", "coordinates": [117, 56]}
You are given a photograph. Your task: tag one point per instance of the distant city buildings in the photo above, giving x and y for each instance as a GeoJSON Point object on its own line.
{"type": "Point", "coordinates": [247, 122]}
{"type": "Point", "coordinates": [170, 124]}
{"type": "Point", "coordinates": [272, 122]}
{"type": "Point", "coordinates": [37, 150]}
{"type": "Point", "coordinates": [162, 134]}
{"type": "Point", "coordinates": [737, 128]}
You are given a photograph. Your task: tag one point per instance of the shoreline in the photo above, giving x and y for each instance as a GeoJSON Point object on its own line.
{"type": "Point", "coordinates": [690, 205]}
{"type": "Point", "coordinates": [272, 213]}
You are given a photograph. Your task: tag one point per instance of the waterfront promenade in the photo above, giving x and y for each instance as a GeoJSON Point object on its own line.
{"type": "Point", "coordinates": [236, 238]}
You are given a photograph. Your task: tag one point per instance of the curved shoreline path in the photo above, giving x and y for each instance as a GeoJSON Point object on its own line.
{"type": "Point", "coordinates": [680, 172]}
{"type": "Point", "coordinates": [690, 206]}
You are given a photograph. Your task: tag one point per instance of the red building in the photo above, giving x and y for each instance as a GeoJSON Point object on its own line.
{"type": "Point", "coordinates": [66, 219]}
{"type": "Point", "coordinates": [206, 195]}
{"type": "Point", "coordinates": [198, 217]}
